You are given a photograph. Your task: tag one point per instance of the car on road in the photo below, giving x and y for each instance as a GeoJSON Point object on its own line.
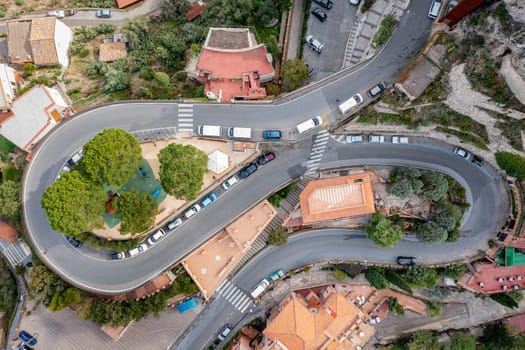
{"type": "Point", "coordinates": [376, 138]}
{"type": "Point", "coordinates": [314, 44]}
{"type": "Point", "coordinates": [477, 160]}
{"type": "Point", "coordinates": [399, 139]}
{"type": "Point", "coordinates": [212, 197]}
{"type": "Point", "coordinates": [139, 250]}
{"type": "Point", "coordinates": [310, 69]}
{"type": "Point", "coordinates": [350, 104]}
{"type": "Point", "coordinates": [327, 4]}
{"type": "Point", "coordinates": [174, 224]}
{"type": "Point", "coordinates": [118, 255]}
{"type": "Point", "coordinates": [223, 333]}
{"type": "Point", "coordinates": [406, 260]}
{"type": "Point", "coordinates": [230, 182]}
{"type": "Point", "coordinates": [192, 211]}
{"type": "Point", "coordinates": [309, 125]}
{"type": "Point", "coordinates": [460, 152]}
{"type": "Point", "coordinates": [356, 138]}
{"type": "Point", "coordinates": [154, 238]}
{"type": "Point", "coordinates": [265, 158]}
{"type": "Point", "coordinates": [247, 170]}
{"type": "Point", "coordinates": [377, 89]}
{"type": "Point", "coordinates": [320, 14]}
{"type": "Point", "coordinates": [56, 13]}
{"type": "Point", "coordinates": [73, 242]}
{"type": "Point", "coordinates": [103, 14]}
{"type": "Point", "coordinates": [271, 134]}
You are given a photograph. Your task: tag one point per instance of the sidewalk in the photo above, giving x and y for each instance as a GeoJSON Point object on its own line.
{"type": "Point", "coordinates": [294, 33]}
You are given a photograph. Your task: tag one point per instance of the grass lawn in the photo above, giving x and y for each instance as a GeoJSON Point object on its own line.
{"type": "Point", "coordinates": [6, 146]}
{"type": "Point", "coordinates": [143, 184]}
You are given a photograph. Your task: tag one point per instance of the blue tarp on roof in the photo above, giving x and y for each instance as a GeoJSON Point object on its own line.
{"type": "Point", "coordinates": [186, 305]}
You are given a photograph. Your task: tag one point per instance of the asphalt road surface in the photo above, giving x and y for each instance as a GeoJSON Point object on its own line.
{"type": "Point", "coordinates": [98, 274]}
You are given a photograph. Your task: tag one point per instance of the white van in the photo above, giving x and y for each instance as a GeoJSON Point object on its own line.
{"type": "Point", "coordinates": [433, 12]}
{"type": "Point", "coordinates": [349, 104]}
{"type": "Point", "coordinates": [240, 133]}
{"type": "Point", "coordinates": [309, 124]}
{"type": "Point", "coordinates": [209, 130]}
{"type": "Point", "coordinates": [260, 288]}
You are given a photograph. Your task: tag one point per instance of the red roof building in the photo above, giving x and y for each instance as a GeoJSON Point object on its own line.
{"type": "Point", "coordinates": [195, 10]}
{"type": "Point", "coordinates": [232, 65]}
{"type": "Point", "coordinates": [125, 3]}
{"type": "Point", "coordinates": [7, 232]}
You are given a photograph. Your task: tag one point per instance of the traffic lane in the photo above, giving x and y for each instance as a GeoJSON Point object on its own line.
{"type": "Point", "coordinates": [113, 277]}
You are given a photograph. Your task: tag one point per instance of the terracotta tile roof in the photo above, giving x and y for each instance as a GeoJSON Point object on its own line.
{"type": "Point", "coordinates": [232, 65]}
{"type": "Point", "coordinates": [112, 51]}
{"type": "Point", "coordinates": [299, 327]}
{"type": "Point", "coordinates": [335, 198]}
{"type": "Point", "coordinates": [209, 264]}
{"type": "Point", "coordinates": [18, 45]}
{"type": "Point", "coordinates": [488, 275]}
{"type": "Point", "coordinates": [125, 3]}
{"type": "Point", "coordinates": [7, 232]}
{"type": "Point", "coordinates": [195, 10]}
{"type": "Point", "coordinates": [42, 39]}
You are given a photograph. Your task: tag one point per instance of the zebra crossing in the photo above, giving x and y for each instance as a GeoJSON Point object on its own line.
{"type": "Point", "coordinates": [185, 117]}
{"type": "Point", "coordinates": [16, 253]}
{"type": "Point", "coordinates": [320, 141]}
{"type": "Point", "coordinates": [235, 296]}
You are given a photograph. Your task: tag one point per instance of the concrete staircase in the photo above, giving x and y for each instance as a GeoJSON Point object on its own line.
{"type": "Point", "coordinates": [287, 206]}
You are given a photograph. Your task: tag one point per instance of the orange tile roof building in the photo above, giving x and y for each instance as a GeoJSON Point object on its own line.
{"type": "Point", "coordinates": [335, 198]}
{"type": "Point", "coordinates": [209, 264]}
{"type": "Point", "coordinates": [195, 10]}
{"type": "Point", "coordinates": [7, 232]}
{"type": "Point", "coordinates": [232, 65]}
{"type": "Point", "coordinates": [317, 321]}
{"type": "Point", "coordinates": [125, 3]}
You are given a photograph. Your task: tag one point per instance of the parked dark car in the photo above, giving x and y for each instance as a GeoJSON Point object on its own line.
{"type": "Point", "coordinates": [118, 255]}
{"type": "Point", "coordinates": [320, 14]}
{"type": "Point", "coordinates": [376, 89]}
{"type": "Point", "coordinates": [247, 170]}
{"type": "Point", "coordinates": [27, 338]}
{"type": "Point", "coordinates": [271, 134]}
{"type": "Point", "coordinates": [327, 4]}
{"type": "Point", "coordinates": [74, 242]}
{"type": "Point", "coordinates": [265, 158]}
{"type": "Point", "coordinates": [406, 260]}
{"type": "Point", "coordinates": [477, 160]}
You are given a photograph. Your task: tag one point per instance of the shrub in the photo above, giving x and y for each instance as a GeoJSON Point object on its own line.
{"type": "Point", "coordinates": [512, 163]}
{"type": "Point", "coordinates": [394, 306]}
{"type": "Point", "coordinates": [376, 278]}
{"type": "Point", "coordinates": [385, 31]}
{"type": "Point", "coordinates": [433, 309]}
{"type": "Point", "coordinates": [340, 275]}
{"type": "Point", "coordinates": [393, 277]}
{"type": "Point", "coordinates": [19, 2]}
{"type": "Point", "coordinates": [278, 237]}
{"type": "Point", "coordinates": [422, 276]}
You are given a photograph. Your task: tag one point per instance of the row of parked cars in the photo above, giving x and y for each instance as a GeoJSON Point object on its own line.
{"type": "Point", "coordinates": [460, 152]}
{"type": "Point", "coordinates": [360, 138]}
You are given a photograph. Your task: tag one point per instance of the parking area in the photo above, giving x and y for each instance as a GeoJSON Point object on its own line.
{"type": "Point", "coordinates": [333, 34]}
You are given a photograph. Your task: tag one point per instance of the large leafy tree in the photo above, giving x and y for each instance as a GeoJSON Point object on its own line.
{"type": "Point", "coordinates": [111, 157]}
{"type": "Point", "coordinates": [497, 336]}
{"type": "Point", "coordinates": [406, 181]}
{"type": "Point", "coordinates": [136, 210]}
{"type": "Point", "coordinates": [9, 199]}
{"type": "Point", "coordinates": [463, 341]}
{"type": "Point", "coordinates": [293, 73]}
{"type": "Point", "coordinates": [74, 204]}
{"type": "Point", "coordinates": [435, 185]}
{"type": "Point", "coordinates": [182, 168]}
{"type": "Point", "coordinates": [383, 232]}
{"type": "Point", "coordinates": [431, 232]}
{"type": "Point", "coordinates": [423, 340]}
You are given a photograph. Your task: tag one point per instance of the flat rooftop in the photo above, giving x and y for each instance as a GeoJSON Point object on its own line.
{"type": "Point", "coordinates": [230, 38]}
{"type": "Point", "coordinates": [209, 264]}
{"type": "Point", "coordinates": [335, 198]}
{"type": "Point", "coordinates": [18, 46]}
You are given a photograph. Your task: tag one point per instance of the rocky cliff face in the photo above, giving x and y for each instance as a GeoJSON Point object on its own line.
{"type": "Point", "coordinates": [516, 9]}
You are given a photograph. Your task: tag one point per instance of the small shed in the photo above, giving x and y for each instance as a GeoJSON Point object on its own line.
{"type": "Point", "coordinates": [218, 162]}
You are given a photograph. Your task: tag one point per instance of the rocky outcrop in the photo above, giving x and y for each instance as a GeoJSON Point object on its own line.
{"type": "Point", "coordinates": [516, 9]}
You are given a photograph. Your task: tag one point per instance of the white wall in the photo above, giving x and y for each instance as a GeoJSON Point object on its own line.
{"type": "Point", "coordinates": [63, 38]}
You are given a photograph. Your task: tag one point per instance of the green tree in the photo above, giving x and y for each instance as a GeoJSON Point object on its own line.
{"type": "Point", "coordinates": [435, 185]}
{"type": "Point", "coordinates": [394, 306]}
{"type": "Point", "coordinates": [265, 11]}
{"type": "Point", "coordinates": [406, 181]}
{"type": "Point", "coordinates": [444, 220]}
{"type": "Point", "coordinates": [136, 30]}
{"type": "Point", "coordinates": [433, 309]}
{"type": "Point", "coordinates": [136, 210]}
{"type": "Point", "coordinates": [115, 80]}
{"type": "Point", "coordinates": [423, 340]}
{"type": "Point", "coordinates": [278, 236]}
{"type": "Point", "coordinates": [162, 79]}
{"type": "Point", "coordinates": [376, 278]}
{"type": "Point", "coordinates": [29, 69]}
{"type": "Point", "coordinates": [9, 199]}
{"type": "Point", "coordinates": [182, 168]}
{"type": "Point", "coordinates": [170, 49]}
{"type": "Point", "coordinates": [171, 9]}
{"type": "Point", "coordinates": [422, 276]}
{"type": "Point", "coordinates": [293, 73]}
{"type": "Point", "coordinates": [497, 336]}
{"type": "Point", "coordinates": [184, 285]}
{"type": "Point", "coordinates": [430, 232]}
{"type": "Point", "coordinates": [74, 204]}
{"type": "Point", "coordinates": [63, 299]}
{"type": "Point", "coordinates": [383, 232]}
{"type": "Point", "coordinates": [340, 275]}
{"type": "Point", "coordinates": [512, 163]}
{"type": "Point", "coordinates": [463, 341]}
{"type": "Point", "coordinates": [8, 291]}
{"type": "Point", "coordinates": [111, 157]}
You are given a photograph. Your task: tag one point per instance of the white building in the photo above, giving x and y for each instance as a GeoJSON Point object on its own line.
{"type": "Point", "coordinates": [8, 87]}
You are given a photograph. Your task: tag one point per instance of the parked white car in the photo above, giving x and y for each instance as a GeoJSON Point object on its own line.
{"type": "Point", "coordinates": [139, 250]}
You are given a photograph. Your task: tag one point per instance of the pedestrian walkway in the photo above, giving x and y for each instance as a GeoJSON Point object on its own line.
{"type": "Point", "coordinates": [235, 296]}
{"type": "Point", "coordinates": [318, 148]}
{"type": "Point", "coordinates": [155, 134]}
{"type": "Point", "coordinates": [185, 117]}
{"type": "Point", "coordinates": [291, 51]}
{"type": "Point", "coordinates": [17, 253]}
